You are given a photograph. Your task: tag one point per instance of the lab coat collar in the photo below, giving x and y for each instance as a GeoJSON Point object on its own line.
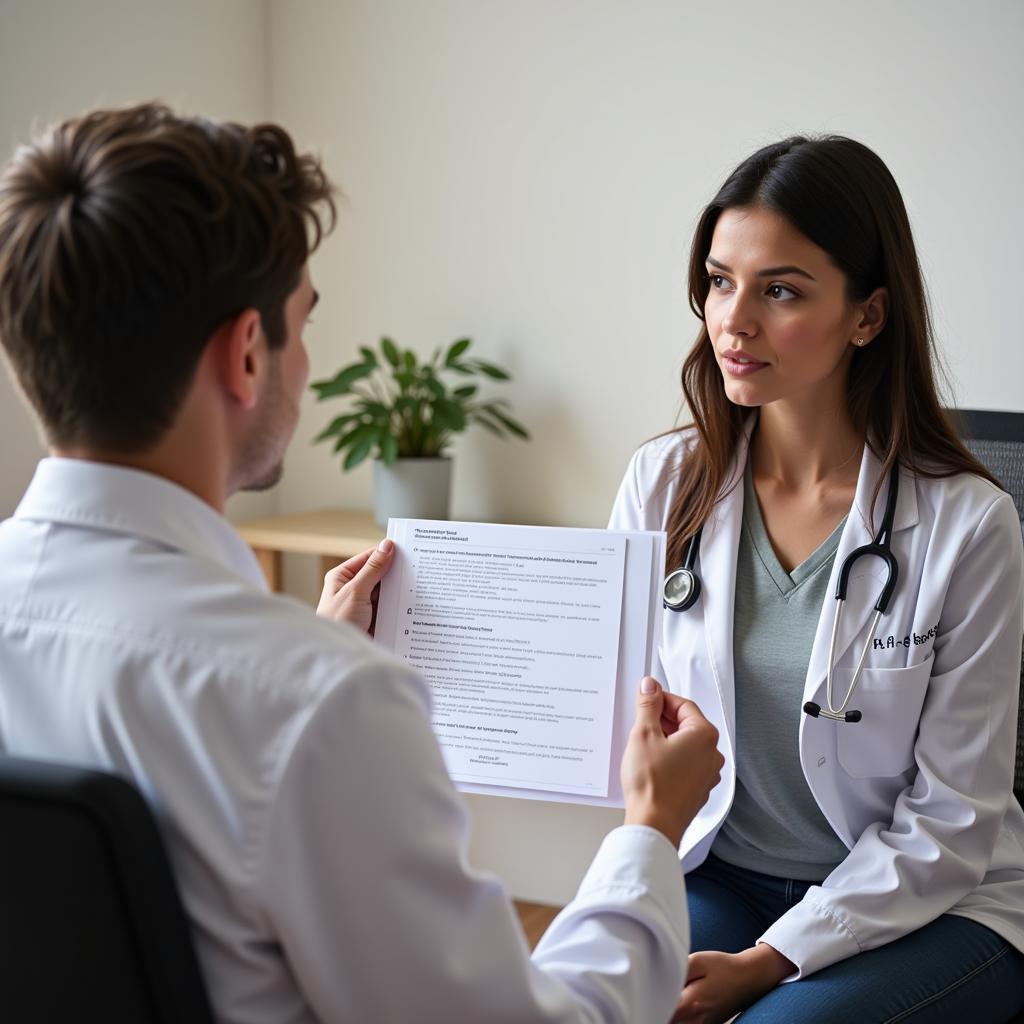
{"type": "Point", "coordinates": [719, 551]}
{"type": "Point", "coordinates": [906, 505]}
{"type": "Point", "coordinates": [122, 500]}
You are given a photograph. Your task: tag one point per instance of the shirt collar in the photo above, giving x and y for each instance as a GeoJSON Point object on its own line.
{"type": "Point", "coordinates": [121, 500]}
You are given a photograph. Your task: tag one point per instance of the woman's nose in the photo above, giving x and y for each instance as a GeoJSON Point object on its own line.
{"type": "Point", "coordinates": [738, 317]}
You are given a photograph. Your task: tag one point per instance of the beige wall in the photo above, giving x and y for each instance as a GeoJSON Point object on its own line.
{"type": "Point", "coordinates": [528, 172]}
{"type": "Point", "coordinates": [59, 57]}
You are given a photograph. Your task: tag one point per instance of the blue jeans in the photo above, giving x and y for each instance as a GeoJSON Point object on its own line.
{"type": "Point", "coordinates": [952, 970]}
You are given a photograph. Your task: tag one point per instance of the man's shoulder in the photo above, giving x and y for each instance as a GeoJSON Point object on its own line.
{"type": "Point", "coordinates": [279, 646]}
{"type": "Point", "coordinates": [186, 620]}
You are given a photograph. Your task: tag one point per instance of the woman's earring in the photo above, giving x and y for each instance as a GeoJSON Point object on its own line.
{"type": "Point", "coordinates": [859, 342]}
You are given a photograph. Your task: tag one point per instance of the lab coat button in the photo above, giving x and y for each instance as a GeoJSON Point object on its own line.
{"type": "Point", "coordinates": [821, 761]}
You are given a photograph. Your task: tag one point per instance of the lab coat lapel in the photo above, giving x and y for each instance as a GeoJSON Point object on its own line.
{"type": "Point", "coordinates": [718, 556]}
{"type": "Point", "coordinates": [862, 592]}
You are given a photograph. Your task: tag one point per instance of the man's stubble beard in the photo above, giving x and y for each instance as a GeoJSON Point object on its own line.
{"type": "Point", "coordinates": [260, 462]}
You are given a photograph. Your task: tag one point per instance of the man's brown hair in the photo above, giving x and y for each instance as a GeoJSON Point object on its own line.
{"type": "Point", "coordinates": [126, 238]}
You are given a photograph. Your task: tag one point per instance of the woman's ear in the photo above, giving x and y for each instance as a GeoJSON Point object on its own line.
{"type": "Point", "coordinates": [870, 317]}
{"type": "Point", "coordinates": [240, 354]}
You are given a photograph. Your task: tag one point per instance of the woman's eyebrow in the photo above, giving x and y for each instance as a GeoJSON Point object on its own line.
{"type": "Point", "coordinates": [767, 272]}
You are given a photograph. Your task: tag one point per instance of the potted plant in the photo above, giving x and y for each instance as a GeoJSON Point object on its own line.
{"type": "Point", "coordinates": [404, 413]}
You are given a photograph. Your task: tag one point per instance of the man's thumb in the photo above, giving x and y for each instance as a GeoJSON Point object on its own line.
{"type": "Point", "coordinates": [375, 568]}
{"type": "Point", "coordinates": [650, 699]}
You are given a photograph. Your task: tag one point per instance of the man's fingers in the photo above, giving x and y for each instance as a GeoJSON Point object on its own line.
{"type": "Point", "coordinates": [375, 566]}
{"type": "Point", "coordinates": [347, 570]}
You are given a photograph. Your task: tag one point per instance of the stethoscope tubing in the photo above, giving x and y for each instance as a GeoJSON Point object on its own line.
{"type": "Point", "coordinates": [683, 586]}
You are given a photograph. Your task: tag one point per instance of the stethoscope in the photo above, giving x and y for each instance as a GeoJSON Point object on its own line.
{"type": "Point", "coordinates": [682, 589]}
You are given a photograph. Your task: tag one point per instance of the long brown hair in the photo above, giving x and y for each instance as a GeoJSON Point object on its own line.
{"type": "Point", "coordinates": [840, 195]}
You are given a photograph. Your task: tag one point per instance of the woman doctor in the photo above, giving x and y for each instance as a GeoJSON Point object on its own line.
{"type": "Point", "coordinates": [848, 867]}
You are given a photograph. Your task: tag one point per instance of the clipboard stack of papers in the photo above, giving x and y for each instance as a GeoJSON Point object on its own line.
{"type": "Point", "coordinates": [532, 641]}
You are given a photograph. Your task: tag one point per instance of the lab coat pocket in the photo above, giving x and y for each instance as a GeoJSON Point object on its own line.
{"type": "Point", "coordinates": [890, 701]}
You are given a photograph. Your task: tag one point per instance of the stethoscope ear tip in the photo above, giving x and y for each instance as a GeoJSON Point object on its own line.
{"type": "Point", "coordinates": [814, 710]}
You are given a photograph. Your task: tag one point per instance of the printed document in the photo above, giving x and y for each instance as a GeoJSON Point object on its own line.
{"type": "Point", "coordinates": [532, 641]}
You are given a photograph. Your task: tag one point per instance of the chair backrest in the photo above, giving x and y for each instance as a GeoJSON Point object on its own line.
{"type": "Point", "coordinates": [997, 441]}
{"type": "Point", "coordinates": [91, 924]}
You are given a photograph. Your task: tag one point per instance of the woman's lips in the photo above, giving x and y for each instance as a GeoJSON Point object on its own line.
{"type": "Point", "coordinates": [737, 369]}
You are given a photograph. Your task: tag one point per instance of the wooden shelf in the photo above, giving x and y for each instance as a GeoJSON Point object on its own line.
{"type": "Point", "coordinates": [332, 533]}
{"type": "Point", "coordinates": [535, 918]}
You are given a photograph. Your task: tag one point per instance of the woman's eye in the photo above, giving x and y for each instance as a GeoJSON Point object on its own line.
{"type": "Point", "coordinates": [780, 291]}
{"type": "Point", "coordinates": [717, 281]}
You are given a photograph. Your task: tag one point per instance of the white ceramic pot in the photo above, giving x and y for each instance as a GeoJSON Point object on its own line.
{"type": "Point", "coordinates": [411, 489]}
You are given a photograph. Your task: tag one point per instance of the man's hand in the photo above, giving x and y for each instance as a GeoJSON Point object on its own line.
{"type": "Point", "coordinates": [670, 764]}
{"type": "Point", "coordinates": [720, 985]}
{"type": "Point", "coordinates": [352, 588]}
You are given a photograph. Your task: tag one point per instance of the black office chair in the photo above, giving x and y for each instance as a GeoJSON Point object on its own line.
{"type": "Point", "coordinates": [997, 441]}
{"type": "Point", "coordinates": [91, 925]}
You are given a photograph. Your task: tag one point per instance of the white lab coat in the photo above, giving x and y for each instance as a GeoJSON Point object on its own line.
{"type": "Point", "coordinates": [921, 789]}
{"type": "Point", "coordinates": [318, 843]}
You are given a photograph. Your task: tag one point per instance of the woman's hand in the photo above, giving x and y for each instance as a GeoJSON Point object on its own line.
{"type": "Point", "coordinates": [720, 985]}
{"type": "Point", "coordinates": [351, 589]}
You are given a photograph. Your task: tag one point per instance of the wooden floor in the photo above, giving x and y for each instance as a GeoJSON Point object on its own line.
{"type": "Point", "coordinates": [535, 918]}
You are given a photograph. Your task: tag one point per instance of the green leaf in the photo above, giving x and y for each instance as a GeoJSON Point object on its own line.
{"type": "Point", "coordinates": [375, 409]}
{"type": "Point", "coordinates": [359, 452]}
{"type": "Point", "coordinates": [390, 350]}
{"type": "Point", "coordinates": [456, 350]}
{"type": "Point", "coordinates": [435, 387]}
{"type": "Point", "coordinates": [342, 382]}
{"type": "Point", "coordinates": [466, 391]}
{"type": "Point", "coordinates": [495, 372]}
{"type": "Point", "coordinates": [463, 369]}
{"type": "Point", "coordinates": [335, 426]}
{"type": "Point", "coordinates": [484, 422]}
{"type": "Point", "coordinates": [369, 356]}
{"type": "Point", "coordinates": [388, 449]}
{"type": "Point", "coordinates": [410, 360]}
{"type": "Point", "coordinates": [450, 415]}
{"type": "Point", "coordinates": [510, 424]}
{"type": "Point", "coordinates": [353, 436]}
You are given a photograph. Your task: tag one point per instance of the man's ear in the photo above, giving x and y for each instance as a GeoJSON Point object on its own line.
{"type": "Point", "coordinates": [872, 314]}
{"type": "Point", "coordinates": [240, 351]}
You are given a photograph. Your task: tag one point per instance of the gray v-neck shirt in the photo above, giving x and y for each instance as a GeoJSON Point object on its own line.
{"type": "Point", "coordinates": [775, 825]}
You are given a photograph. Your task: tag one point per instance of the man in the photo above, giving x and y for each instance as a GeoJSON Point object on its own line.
{"type": "Point", "coordinates": [153, 294]}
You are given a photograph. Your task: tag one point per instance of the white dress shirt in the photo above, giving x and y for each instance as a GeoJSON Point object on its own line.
{"type": "Point", "coordinates": [319, 845]}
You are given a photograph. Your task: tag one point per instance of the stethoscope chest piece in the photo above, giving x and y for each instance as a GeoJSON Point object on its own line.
{"type": "Point", "coordinates": [682, 588]}
{"type": "Point", "coordinates": [682, 585]}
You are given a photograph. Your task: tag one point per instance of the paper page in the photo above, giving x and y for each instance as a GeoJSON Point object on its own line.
{"type": "Point", "coordinates": [639, 619]}
{"type": "Point", "coordinates": [516, 631]}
